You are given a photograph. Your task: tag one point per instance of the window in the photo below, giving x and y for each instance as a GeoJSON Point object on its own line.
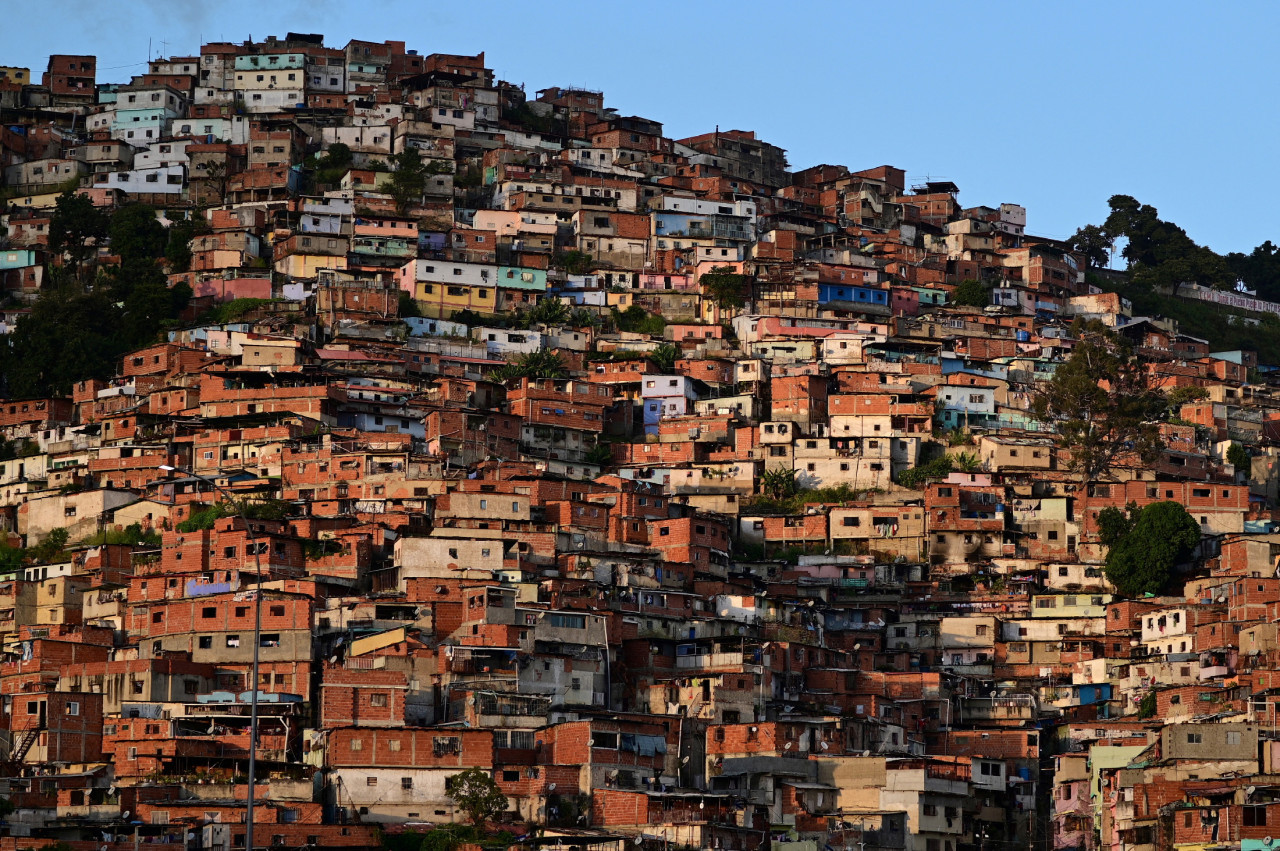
{"type": "Point", "coordinates": [1194, 738]}
{"type": "Point", "coordinates": [206, 642]}
{"type": "Point", "coordinates": [1233, 737]}
{"type": "Point", "coordinates": [378, 699]}
{"type": "Point", "coordinates": [73, 708]}
{"type": "Point", "coordinates": [406, 783]}
{"type": "Point", "coordinates": [563, 621]}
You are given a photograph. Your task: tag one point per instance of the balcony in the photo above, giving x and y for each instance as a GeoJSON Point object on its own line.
{"type": "Point", "coordinates": [705, 661]}
{"type": "Point", "coordinates": [1215, 672]}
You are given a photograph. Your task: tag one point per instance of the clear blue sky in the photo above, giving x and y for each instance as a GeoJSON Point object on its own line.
{"type": "Point", "coordinates": [1056, 106]}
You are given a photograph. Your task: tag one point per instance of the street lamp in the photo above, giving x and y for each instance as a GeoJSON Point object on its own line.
{"type": "Point", "coordinates": [257, 643]}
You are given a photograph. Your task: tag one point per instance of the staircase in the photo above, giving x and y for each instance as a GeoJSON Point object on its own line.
{"type": "Point", "coordinates": [27, 739]}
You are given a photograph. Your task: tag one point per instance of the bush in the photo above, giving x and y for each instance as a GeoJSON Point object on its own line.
{"type": "Point", "coordinates": [916, 477]}
{"type": "Point", "coordinates": [204, 519]}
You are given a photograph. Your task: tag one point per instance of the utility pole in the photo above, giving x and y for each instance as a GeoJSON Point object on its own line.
{"type": "Point", "coordinates": [257, 644]}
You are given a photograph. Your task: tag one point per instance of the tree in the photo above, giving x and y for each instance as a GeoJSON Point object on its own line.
{"type": "Point", "coordinates": [574, 262]}
{"type": "Point", "coordinates": [936, 468]}
{"type": "Point", "coordinates": [1259, 270]}
{"type": "Point", "coordinates": [1114, 524]}
{"type": "Point", "coordinates": [581, 317]}
{"type": "Point", "coordinates": [1101, 403]}
{"type": "Point", "coordinates": [548, 311]}
{"type": "Point", "coordinates": [635, 319]}
{"type": "Point", "coordinates": [539, 364]}
{"type": "Point", "coordinates": [543, 364]}
{"type": "Point", "coordinates": [70, 335]}
{"type": "Point", "coordinates": [177, 249]}
{"type": "Point", "coordinates": [601, 455]}
{"type": "Point", "coordinates": [779, 483]}
{"type": "Point", "coordinates": [215, 179]}
{"type": "Point", "coordinates": [408, 306]}
{"type": "Point", "coordinates": [475, 792]}
{"type": "Point", "coordinates": [1161, 536]}
{"type": "Point", "coordinates": [1160, 253]}
{"type": "Point", "coordinates": [664, 357]}
{"type": "Point", "coordinates": [76, 228]}
{"type": "Point", "coordinates": [150, 303]}
{"type": "Point", "coordinates": [1180, 396]}
{"type": "Point", "coordinates": [408, 181]}
{"type": "Point", "coordinates": [972, 293]}
{"type": "Point", "coordinates": [136, 234]}
{"type": "Point", "coordinates": [967, 462]}
{"type": "Point", "coordinates": [1095, 244]}
{"type": "Point", "coordinates": [52, 546]}
{"type": "Point", "coordinates": [726, 288]}
{"type": "Point", "coordinates": [336, 161]}
{"type": "Point", "coordinates": [1238, 457]}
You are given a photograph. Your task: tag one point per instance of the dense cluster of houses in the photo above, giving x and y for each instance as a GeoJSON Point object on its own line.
{"type": "Point", "coordinates": [580, 580]}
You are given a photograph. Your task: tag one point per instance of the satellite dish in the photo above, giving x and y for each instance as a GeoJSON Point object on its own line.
{"type": "Point", "coordinates": [591, 743]}
{"type": "Point", "coordinates": [823, 745]}
{"type": "Point", "coordinates": [787, 746]}
{"type": "Point", "coordinates": [637, 840]}
{"type": "Point", "coordinates": [702, 805]}
{"type": "Point", "coordinates": [126, 814]}
{"type": "Point", "coordinates": [724, 613]}
{"type": "Point", "coordinates": [551, 787]}
{"type": "Point", "coordinates": [684, 760]}
{"type": "Point", "coordinates": [333, 660]}
{"type": "Point", "coordinates": [471, 701]}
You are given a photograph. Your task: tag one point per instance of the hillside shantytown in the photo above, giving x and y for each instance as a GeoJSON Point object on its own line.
{"type": "Point", "coordinates": [397, 458]}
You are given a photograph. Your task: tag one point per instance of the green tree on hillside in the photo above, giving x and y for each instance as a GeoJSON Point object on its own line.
{"type": "Point", "coordinates": [476, 794]}
{"type": "Point", "coordinates": [1142, 556]}
{"type": "Point", "coordinates": [664, 357]}
{"type": "Point", "coordinates": [725, 287]}
{"type": "Point", "coordinates": [1101, 403]}
{"type": "Point", "coordinates": [408, 181]}
{"type": "Point", "coordinates": [1238, 457]}
{"type": "Point", "coordinates": [972, 293]}
{"type": "Point", "coordinates": [70, 335]}
{"type": "Point", "coordinates": [1095, 244]}
{"type": "Point", "coordinates": [1161, 254]}
{"type": "Point", "coordinates": [76, 228]}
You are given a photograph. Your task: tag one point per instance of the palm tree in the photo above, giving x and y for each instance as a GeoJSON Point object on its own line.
{"type": "Point", "coordinates": [543, 364]}
{"type": "Point", "coordinates": [540, 364]}
{"type": "Point", "coordinates": [664, 357]}
{"type": "Point", "coordinates": [779, 483]}
{"type": "Point", "coordinates": [548, 311]}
